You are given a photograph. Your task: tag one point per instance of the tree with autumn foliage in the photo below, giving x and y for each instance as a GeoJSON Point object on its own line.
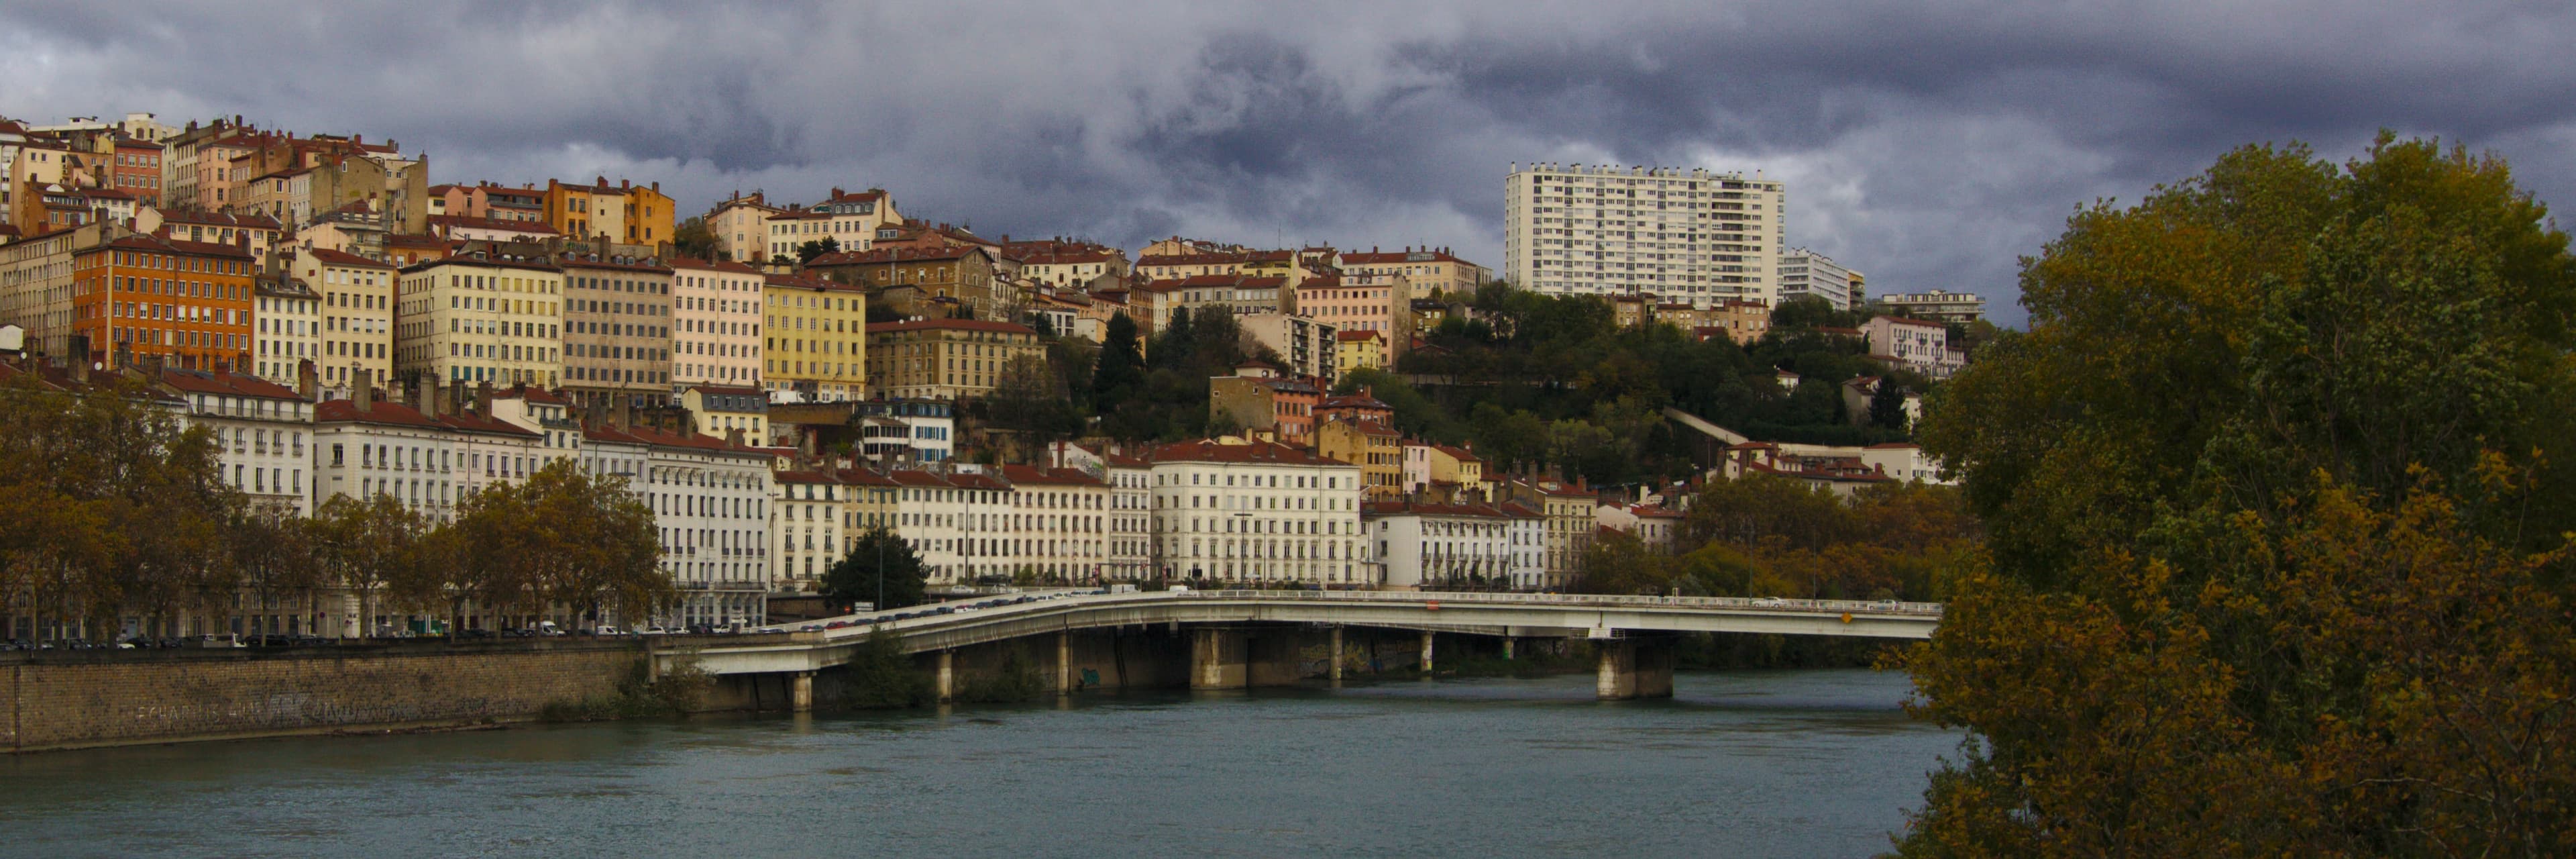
{"type": "Point", "coordinates": [2278, 498]}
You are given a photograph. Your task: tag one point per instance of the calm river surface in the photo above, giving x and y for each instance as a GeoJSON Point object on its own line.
{"type": "Point", "coordinates": [1774, 763]}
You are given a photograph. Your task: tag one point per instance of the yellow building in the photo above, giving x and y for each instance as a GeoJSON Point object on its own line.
{"type": "Point", "coordinates": [1359, 350]}
{"type": "Point", "coordinates": [357, 313]}
{"type": "Point", "coordinates": [649, 219]}
{"type": "Point", "coordinates": [482, 317]}
{"type": "Point", "coordinates": [1378, 449]}
{"type": "Point", "coordinates": [946, 359]}
{"type": "Point", "coordinates": [814, 337]}
{"type": "Point", "coordinates": [585, 212]}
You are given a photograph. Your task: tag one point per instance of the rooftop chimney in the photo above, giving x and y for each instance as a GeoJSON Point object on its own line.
{"type": "Point", "coordinates": [429, 402]}
{"type": "Point", "coordinates": [361, 390]}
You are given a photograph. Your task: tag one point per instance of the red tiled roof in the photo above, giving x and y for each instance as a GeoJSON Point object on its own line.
{"type": "Point", "coordinates": [798, 281]}
{"type": "Point", "coordinates": [379, 412]}
{"type": "Point", "coordinates": [199, 382]}
{"type": "Point", "coordinates": [1358, 335]}
{"type": "Point", "coordinates": [1207, 450]}
{"type": "Point", "coordinates": [898, 254]}
{"type": "Point", "coordinates": [533, 228]}
{"type": "Point", "coordinates": [170, 245]}
{"type": "Point", "coordinates": [1427, 508]}
{"type": "Point", "coordinates": [1235, 281]}
{"type": "Point", "coordinates": [533, 395]}
{"type": "Point", "coordinates": [695, 264]}
{"type": "Point", "coordinates": [950, 325]}
{"type": "Point", "coordinates": [333, 257]}
{"type": "Point", "coordinates": [727, 390]}
{"type": "Point", "coordinates": [1352, 258]}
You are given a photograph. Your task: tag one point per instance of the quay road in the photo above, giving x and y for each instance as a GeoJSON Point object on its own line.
{"type": "Point", "coordinates": [1481, 613]}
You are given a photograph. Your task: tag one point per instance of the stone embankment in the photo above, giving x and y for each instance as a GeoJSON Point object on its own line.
{"type": "Point", "coordinates": [124, 697]}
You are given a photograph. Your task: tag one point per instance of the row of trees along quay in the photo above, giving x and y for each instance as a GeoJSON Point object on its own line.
{"type": "Point", "coordinates": [2279, 490]}
{"type": "Point", "coordinates": [113, 521]}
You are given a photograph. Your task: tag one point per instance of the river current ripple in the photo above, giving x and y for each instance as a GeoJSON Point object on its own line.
{"type": "Point", "coordinates": [1745, 763]}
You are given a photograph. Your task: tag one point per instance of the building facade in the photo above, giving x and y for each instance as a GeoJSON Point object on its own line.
{"type": "Point", "coordinates": [1807, 273]}
{"type": "Point", "coordinates": [715, 323]}
{"type": "Point", "coordinates": [185, 304]}
{"type": "Point", "coordinates": [616, 328]}
{"type": "Point", "coordinates": [357, 313]}
{"type": "Point", "coordinates": [945, 359]}
{"type": "Point", "coordinates": [1687, 235]}
{"type": "Point", "coordinates": [483, 317]}
{"type": "Point", "coordinates": [814, 338]}
{"type": "Point", "coordinates": [1257, 512]}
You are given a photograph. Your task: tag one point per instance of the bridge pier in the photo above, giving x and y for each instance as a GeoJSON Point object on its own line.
{"type": "Point", "coordinates": [800, 696]}
{"type": "Point", "coordinates": [1631, 669]}
{"type": "Point", "coordinates": [1064, 663]}
{"type": "Point", "coordinates": [1334, 669]}
{"type": "Point", "coordinates": [1216, 660]}
{"type": "Point", "coordinates": [1507, 647]}
{"type": "Point", "coordinates": [947, 676]}
{"type": "Point", "coordinates": [1426, 653]}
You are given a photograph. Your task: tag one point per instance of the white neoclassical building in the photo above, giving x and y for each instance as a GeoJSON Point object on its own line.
{"type": "Point", "coordinates": [1436, 546]}
{"type": "Point", "coordinates": [1257, 512]}
{"type": "Point", "coordinates": [260, 429]}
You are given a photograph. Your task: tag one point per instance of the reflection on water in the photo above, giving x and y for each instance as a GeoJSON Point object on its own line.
{"type": "Point", "coordinates": [1787, 763]}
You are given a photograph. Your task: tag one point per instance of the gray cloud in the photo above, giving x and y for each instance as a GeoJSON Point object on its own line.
{"type": "Point", "coordinates": [1927, 146]}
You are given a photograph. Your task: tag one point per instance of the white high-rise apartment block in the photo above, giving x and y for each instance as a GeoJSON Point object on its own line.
{"type": "Point", "coordinates": [1680, 234]}
{"type": "Point", "coordinates": [1806, 272]}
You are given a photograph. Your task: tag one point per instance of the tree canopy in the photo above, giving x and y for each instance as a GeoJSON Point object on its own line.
{"type": "Point", "coordinates": [2279, 503]}
{"type": "Point", "coordinates": [855, 579]}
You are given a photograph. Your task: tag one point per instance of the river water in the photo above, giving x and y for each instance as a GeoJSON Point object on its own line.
{"type": "Point", "coordinates": [1771, 763]}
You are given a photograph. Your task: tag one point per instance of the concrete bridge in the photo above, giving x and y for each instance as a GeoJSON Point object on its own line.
{"type": "Point", "coordinates": [1242, 638]}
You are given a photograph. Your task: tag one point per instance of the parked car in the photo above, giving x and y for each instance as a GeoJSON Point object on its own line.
{"type": "Point", "coordinates": [1770, 602]}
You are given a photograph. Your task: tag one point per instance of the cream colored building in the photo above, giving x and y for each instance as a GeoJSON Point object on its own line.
{"type": "Point", "coordinates": [286, 329]}
{"type": "Point", "coordinates": [1686, 235]}
{"type": "Point", "coordinates": [1429, 270]}
{"type": "Point", "coordinates": [814, 337]}
{"type": "Point", "coordinates": [850, 220]}
{"type": "Point", "coordinates": [741, 228]}
{"type": "Point", "coordinates": [468, 320]}
{"type": "Point", "coordinates": [357, 312]}
{"type": "Point", "coordinates": [715, 323]}
{"type": "Point", "coordinates": [36, 285]}
{"type": "Point", "coordinates": [945, 359]}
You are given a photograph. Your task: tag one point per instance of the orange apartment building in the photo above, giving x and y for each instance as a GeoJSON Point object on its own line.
{"type": "Point", "coordinates": [187, 303]}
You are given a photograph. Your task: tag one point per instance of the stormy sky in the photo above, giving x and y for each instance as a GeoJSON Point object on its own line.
{"type": "Point", "coordinates": [1928, 145]}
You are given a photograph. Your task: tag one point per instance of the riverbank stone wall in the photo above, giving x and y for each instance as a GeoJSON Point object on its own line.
{"type": "Point", "coordinates": [106, 698]}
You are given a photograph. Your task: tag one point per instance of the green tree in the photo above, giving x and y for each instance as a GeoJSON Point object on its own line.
{"type": "Point", "coordinates": [1808, 311]}
{"type": "Point", "coordinates": [807, 252]}
{"type": "Point", "coordinates": [373, 548]}
{"type": "Point", "coordinates": [694, 239]}
{"type": "Point", "coordinates": [880, 569]}
{"type": "Point", "coordinates": [1887, 405]}
{"type": "Point", "coordinates": [2278, 525]}
{"type": "Point", "coordinates": [1121, 368]}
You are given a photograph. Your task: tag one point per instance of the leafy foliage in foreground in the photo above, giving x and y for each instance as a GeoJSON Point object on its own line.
{"type": "Point", "coordinates": [2279, 504]}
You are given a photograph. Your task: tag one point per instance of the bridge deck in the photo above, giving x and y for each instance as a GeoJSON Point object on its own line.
{"type": "Point", "coordinates": [1489, 613]}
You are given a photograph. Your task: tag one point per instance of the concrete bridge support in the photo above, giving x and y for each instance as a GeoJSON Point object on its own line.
{"type": "Point", "coordinates": [800, 695]}
{"type": "Point", "coordinates": [947, 676]}
{"type": "Point", "coordinates": [1426, 653]}
{"type": "Point", "coordinates": [1334, 668]}
{"type": "Point", "coordinates": [1633, 668]}
{"type": "Point", "coordinates": [1064, 663]}
{"type": "Point", "coordinates": [1217, 660]}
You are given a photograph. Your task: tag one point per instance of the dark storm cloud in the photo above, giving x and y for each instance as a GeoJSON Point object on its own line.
{"type": "Point", "coordinates": [1927, 144]}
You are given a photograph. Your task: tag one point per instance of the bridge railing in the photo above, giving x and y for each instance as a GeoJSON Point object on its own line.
{"type": "Point", "coordinates": [1603, 600]}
